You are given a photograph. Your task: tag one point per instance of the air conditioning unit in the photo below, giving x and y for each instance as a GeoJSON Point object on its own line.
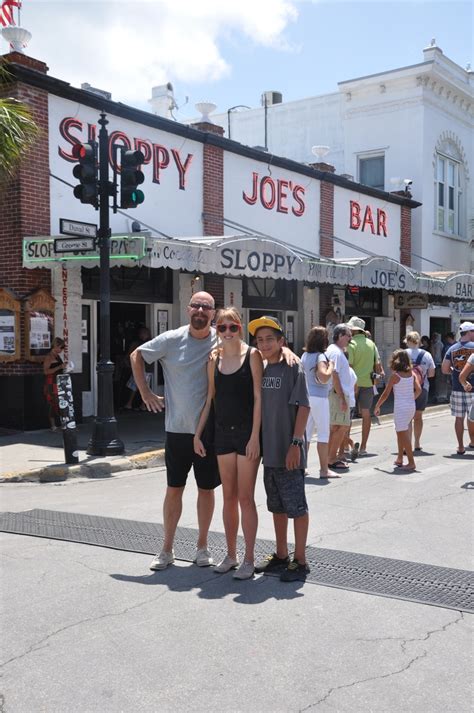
{"type": "Point", "coordinates": [270, 98]}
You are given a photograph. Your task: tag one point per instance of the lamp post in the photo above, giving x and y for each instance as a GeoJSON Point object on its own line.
{"type": "Point", "coordinates": [237, 106]}
{"type": "Point", "coordinates": [104, 440]}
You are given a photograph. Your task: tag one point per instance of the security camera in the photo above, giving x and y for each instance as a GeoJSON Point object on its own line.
{"type": "Point", "coordinates": [407, 181]}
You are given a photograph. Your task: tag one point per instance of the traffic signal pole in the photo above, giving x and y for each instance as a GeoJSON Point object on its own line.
{"type": "Point", "coordinates": [104, 440]}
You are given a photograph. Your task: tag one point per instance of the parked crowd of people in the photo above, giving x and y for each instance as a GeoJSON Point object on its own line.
{"type": "Point", "coordinates": [230, 405]}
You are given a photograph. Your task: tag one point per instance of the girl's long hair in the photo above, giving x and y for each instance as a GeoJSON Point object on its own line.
{"type": "Point", "coordinates": [400, 361]}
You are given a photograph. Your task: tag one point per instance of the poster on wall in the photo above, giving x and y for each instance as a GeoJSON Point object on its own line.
{"type": "Point", "coordinates": [41, 333]}
{"type": "Point", "coordinates": [7, 331]}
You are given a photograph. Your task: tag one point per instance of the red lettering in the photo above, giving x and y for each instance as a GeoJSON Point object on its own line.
{"type": "Point", "coordinates": [182, 168]}
{"type": "Point", "coordinates": [161, 159]}
{"type": "Point", "coordinates": [355, 215]}
{"type": "Point", "coordinates": [267, 181]}
{"type": "Point", "coordinates": [251, 200]}
{"type": "Point", "coordinates": [91, 132]}
{"type": "Point", "coordinates": [368, 220]}
{"type": "Point", "coordinates": [381, 222]}
{"type": "Point", "coordinates": [65, 130]}
{"type": "Point", "coordinates": [281, 195]}
{"type": "Point", "coordinates": [296, 195]}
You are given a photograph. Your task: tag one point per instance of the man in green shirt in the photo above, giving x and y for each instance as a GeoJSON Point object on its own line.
{"type": "Point", "coordinates": [365, 360]}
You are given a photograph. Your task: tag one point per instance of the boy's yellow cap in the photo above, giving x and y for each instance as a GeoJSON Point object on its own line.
{"type": "Point", "coordinates": [264, 322]}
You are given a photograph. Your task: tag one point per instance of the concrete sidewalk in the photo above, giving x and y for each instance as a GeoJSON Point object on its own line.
{"type": "Point", "coordinates": [38, 456]}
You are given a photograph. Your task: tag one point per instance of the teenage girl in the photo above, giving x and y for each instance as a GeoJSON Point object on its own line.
{"type": "Point", "coordinates": [235, 382]}
{"type": "Point", "coordinates": [406, 390]}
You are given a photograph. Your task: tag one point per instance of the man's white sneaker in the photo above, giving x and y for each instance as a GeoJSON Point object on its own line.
{"type": "Point", "coordinates": [226, 565]}
{"type": "Point", "coordinates": [203, 558]}
{"type": "Point", "coordinates": [162, 560]}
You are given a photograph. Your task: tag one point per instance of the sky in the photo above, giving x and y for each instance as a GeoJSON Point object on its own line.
{"type": "Point", "coordinates": [230, 51]}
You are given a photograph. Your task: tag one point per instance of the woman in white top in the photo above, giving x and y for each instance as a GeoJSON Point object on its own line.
{"type": "Point", "coordinates": [318, 370]}
{"type": "Point", "coordinates": [406, 389]}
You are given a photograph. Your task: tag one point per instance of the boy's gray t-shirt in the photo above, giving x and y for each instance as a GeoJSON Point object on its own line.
{"type": "Point", "coordinates": [283, 390]}
{"type": "Point", "coordinates": [184, 362]}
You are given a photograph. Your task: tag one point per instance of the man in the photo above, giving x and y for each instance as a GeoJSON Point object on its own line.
{"type": "Point", "coordinates": [183, 354]}
{"type": "Point", "coordinates": [425, 363]}
{"type": "Point", "coordinates": [339, 395]}
{"type": "Point", "coordinates": [454, 361]}
{"type": "Point", "coordinates": [365, 360]}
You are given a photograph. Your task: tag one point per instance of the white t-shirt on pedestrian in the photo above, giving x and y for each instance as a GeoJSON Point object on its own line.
{"type": "Point", "coordinates": [341, 367]}
{"type": "Point", "coordinates": [426, 363]}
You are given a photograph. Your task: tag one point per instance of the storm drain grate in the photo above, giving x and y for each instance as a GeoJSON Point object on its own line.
{"type": "Point", "coordinates": [412, 581]}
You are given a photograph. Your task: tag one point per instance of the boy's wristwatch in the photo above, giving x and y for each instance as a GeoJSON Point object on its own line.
{"type": "Point", "coordinates": [296, 441]}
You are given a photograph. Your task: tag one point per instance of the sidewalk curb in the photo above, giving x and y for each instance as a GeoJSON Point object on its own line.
{"type": "Point", "coordinates": [98, 468]}
{"type": "Point", "coordinates": [105, 467]}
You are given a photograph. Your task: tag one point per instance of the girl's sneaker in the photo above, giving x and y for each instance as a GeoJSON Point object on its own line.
{"type": "Point", "coordinates": [272, 563]}
{"type": "Point", "coordinates": [226, 565]}
{"type": "Point", "coordinates": [245, 571]}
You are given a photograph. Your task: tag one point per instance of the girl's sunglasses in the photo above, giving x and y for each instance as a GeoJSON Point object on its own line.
{"type": "Point", "coordinates": [234, 328]}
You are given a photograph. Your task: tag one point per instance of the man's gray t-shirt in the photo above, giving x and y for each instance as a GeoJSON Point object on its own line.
{"type": "Point", "coordinates": [184, 361]}
{"type": "Point", "coordinates": [283, 391]}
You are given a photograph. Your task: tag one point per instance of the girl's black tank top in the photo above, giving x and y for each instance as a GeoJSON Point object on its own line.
{"type": "Point", "coordinates": [233, 399]}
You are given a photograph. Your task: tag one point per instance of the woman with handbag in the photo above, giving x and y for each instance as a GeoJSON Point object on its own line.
{"type": "Point", "coordinates": [318, 370]}
{"type": "Point", "coordinates": [53, 365]}
{"type": "Point", "coordinates": [234, 388]}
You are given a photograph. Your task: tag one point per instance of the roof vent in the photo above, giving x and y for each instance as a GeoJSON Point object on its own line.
{"type": "Point", "coordinates": [93, 90]}
{"type": "Point", "coordinates": [271, 97]}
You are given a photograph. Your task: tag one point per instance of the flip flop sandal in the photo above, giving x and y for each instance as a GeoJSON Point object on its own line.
{"type": "Point", "coordinates": [339, 465]}
{"type": "Point", "coordinates": [419, 448]}
{"type": "Point", "coordinates": [460, 453]}
{"type": "Point", "coordinates": [325, 476]}
{"type": "Point", "coordinates": [397, 464]}
{"type": "Point", "coordinates": [407, 469]}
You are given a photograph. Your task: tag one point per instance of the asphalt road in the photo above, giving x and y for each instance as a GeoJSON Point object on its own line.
{"type": "Point", "coordinates": [90, 629]}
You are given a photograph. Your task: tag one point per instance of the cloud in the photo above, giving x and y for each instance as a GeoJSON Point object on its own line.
{"type": "Point", "coordinates": [128, 46]}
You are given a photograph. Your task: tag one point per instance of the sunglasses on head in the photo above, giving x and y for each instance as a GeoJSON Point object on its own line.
{"type": "Point", "coordinates": [200, 305]}
{"type": "Point", "coordinates": [234, 328]}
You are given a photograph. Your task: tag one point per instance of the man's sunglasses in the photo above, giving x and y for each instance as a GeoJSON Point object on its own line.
{"type": "Point", "coordinates": [234, 328]}
{"type": "Point", "coordinates": [200, 305]}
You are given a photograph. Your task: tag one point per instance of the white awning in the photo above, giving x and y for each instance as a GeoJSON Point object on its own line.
{"type": "Point", "coordinates": [256, 256]}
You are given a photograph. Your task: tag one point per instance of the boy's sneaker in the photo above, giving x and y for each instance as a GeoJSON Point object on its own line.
{"type": "Point", "coordinates": [271, 563]}
{"type": "Point", "coordinates": [162, 560]}
{"type": "Point", "coordinates": [203, 558]}
{"type": "Point", "coordinates": [295, 572]}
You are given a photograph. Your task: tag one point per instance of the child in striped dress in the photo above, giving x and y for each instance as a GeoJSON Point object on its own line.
{"type": "Point", "coordinates": [406, 390]}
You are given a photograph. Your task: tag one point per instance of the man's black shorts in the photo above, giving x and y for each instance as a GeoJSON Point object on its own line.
{"type": "Point", "coordinates": [180, 457]}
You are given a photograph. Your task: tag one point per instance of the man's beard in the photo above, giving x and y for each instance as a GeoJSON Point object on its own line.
{"type": "Point", "coordinates": [199, 321]}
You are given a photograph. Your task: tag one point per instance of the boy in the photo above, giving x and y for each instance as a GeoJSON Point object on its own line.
{"type": "Point", "coordinates": [285, 410]}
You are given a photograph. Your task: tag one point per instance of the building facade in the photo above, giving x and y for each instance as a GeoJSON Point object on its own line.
{"type": "Point", "coordinates": [217, 216]}
{"type": "Point", "coordinates": [410, 127]}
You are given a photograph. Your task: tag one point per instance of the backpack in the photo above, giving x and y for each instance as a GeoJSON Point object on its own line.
{"type": "Point", "coordinates": [417, 369]}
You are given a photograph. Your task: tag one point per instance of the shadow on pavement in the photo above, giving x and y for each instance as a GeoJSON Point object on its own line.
{"type": "Point", "coordinates": [217, 586]}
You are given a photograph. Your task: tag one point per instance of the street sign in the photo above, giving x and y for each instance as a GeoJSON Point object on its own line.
{"type": "Point", "coordinates": [37, 250]}
{"type": "Point", "coordinates": [76, 227]}
{"type": "Point", "coordinates": [72, 245]}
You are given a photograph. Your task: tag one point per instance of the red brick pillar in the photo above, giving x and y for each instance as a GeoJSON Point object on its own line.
{"type": "Point", "coordinates": [213, 201]}
{"type": "Point", "coordinates": [326, 244]}
{"type": "Point", "coordinates": [405, 235]}
{"type": "Point", "coordinates": [25, 201]}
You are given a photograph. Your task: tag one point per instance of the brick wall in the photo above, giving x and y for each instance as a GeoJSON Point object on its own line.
{"type": "Point", "coordinates": [213, 202]}
{"type": "Point", "coordinates": [326, 228]}
{"type": "Point", "coordinates": [25, 202]}
{"type": "Point", "coordinates": [405, 235]}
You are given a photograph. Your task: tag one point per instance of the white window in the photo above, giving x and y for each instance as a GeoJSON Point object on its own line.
{"type": "Point", "coordinates": [448, 195]}
{"type": "Point", "coordinates": [372, 171]}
